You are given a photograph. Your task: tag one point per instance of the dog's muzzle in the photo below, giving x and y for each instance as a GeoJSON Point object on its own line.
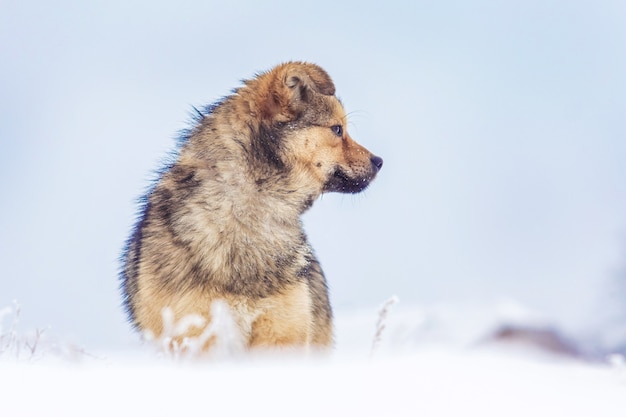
{"type": "Point", "coordinates": [340, 181]}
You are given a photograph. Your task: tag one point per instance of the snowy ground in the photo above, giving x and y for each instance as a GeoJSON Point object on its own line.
{"type": "Point", "coordinates": [428, 363]}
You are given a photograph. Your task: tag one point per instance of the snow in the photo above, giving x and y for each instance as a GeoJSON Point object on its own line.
{"type": "Point", "coordinates": [415, 370]}
{"type": "Point", "coordinates": [426, 383]}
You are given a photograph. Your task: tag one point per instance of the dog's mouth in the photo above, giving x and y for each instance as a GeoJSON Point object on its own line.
{"type": "Point", "coordinates": [342, 183]}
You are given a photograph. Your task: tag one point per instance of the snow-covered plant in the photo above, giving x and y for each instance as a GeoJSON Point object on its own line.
{"type": "Point", "coordinates": [13, 344]}
{"type": "Point", "coordinates": [221, 334]}
{"type": "Point", "coordinates": [383, 312]}
{"type": "Point", "coordinates": [7, 338]}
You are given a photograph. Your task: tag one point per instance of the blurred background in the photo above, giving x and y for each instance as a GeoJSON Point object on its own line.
{"type": "Point", "coordinates": [502, 126]}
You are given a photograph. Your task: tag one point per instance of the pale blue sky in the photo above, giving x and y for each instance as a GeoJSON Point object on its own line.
{"type": "Point", "coordinates": [501, 125]}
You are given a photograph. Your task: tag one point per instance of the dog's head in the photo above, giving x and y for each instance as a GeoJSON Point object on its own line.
{"type": "Point", "coordinates": [306, 130]}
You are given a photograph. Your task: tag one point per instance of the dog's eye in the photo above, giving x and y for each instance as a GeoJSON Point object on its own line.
{"type": "Point", "coordinates": [337, 130]}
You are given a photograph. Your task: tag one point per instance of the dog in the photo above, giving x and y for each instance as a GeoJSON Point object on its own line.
{"type": "Point", "coordinates": [222, 221]}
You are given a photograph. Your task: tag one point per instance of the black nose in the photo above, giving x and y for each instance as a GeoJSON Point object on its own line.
{"type": "Point", "coordinates": [377, 162]}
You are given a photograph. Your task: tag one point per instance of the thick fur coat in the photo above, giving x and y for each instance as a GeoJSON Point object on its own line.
{"type": "Point", "coordinates": [223, 220]}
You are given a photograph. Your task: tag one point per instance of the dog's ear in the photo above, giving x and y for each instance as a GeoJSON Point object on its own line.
{"type": "Point", "coordinates": [302, 78]}
{"type": "Point", "coordinates": [293, 87]}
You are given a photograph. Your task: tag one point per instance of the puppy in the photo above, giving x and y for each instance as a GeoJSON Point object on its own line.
{"type": "Point", "coordinates": [222, 222]}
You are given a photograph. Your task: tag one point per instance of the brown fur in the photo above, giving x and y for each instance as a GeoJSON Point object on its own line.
{"type": "Point", "coordinates": [223, 220]}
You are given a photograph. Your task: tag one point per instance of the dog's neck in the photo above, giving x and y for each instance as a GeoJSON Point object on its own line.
{"type": "Point", "coordinates": [231, 158]}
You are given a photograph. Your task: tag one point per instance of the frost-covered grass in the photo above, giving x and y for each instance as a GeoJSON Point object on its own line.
{"type": "Point", "coordinates": [394, 362]}
{"type": "Point", "coordinates": [12, 343]}
{"type": "Point", "coordinates": [222, 331]}
{"type": "Point", "coordinates": [31, 346]}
